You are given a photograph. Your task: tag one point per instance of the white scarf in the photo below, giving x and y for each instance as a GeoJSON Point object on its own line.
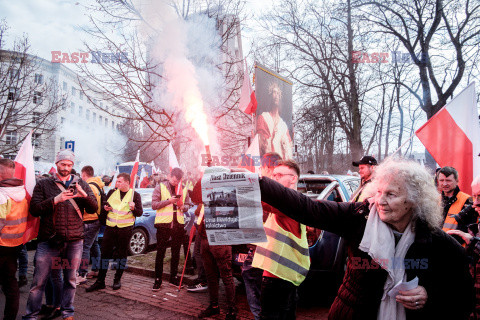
{"type": "Point", "coordinates": [379, 242]}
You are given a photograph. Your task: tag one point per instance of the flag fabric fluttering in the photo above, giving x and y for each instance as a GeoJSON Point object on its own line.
{"type": "Point", "coordinates": [143, 175]}
{"type": "Point", "coordinates": [452, 136]}
{"type": "Point", "coordinates": [114, 180]}
{"type": "Point", "coordinates": [172, 158]}
{"type": "Point", "coordinates": [24, 169]}
{"type": "Point", "coordinates": [251, 160]}
{"type": "Point", "coordinates": [248, 100]}
{"type": "Point", "coordinates": [133, 175]}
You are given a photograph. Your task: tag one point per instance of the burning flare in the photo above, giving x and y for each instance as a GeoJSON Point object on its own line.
{"type": "Point", "coordinates": [195, 114]}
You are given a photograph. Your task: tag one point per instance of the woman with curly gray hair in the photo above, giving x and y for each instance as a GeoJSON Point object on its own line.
{"type": "Point", "coordinates": [393, 238]}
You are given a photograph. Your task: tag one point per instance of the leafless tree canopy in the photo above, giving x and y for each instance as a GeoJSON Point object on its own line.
{"type": "Point", "coordinates": [28, 99]}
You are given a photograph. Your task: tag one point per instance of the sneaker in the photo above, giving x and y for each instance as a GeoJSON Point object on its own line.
{"type": "Point", "coordinates": [210, 311]}
{"type": "Point", "coordinates": [199, 287]}
{"type": "Point", "coordinates": [157, 285]}
{"type": "Point", "coordinates": [53, 315]}
{"type": "Point", "coordinates": [22, 280]}
{"type": "Point", "coordinates": [46, 309]}
{"type": "Point", "coordinates": [175, 281]}
{"type": "Point", "coordinates": [231, 314]}
{"type": "Point", "coordinates": [81, 280]}
{"type": "Point", "coordinates": [92, 274]}
{"type": "Point", "coordinates": [96, 286]}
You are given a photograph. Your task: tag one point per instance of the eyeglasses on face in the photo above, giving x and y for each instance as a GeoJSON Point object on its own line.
{"type": "Point", "coordinates": [280, 175]}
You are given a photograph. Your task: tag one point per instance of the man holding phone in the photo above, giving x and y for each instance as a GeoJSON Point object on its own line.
{"type": "Point", "coordinates": [59, 202]}
{"type": "Point", "coordinates": [169, 222]}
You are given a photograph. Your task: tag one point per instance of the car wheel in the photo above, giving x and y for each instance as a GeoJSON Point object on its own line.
{"type": "Point", "coordinates": [138, 242]}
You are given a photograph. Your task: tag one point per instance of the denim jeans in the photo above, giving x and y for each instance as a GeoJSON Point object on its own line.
{"type": "Point", "coordinates": [202, 277]}
{"type": "Point", "coordinates": [90, 233]}
{"type": "Point", "coordinates": [67, 258]}
{"type": "Point", "coordinates": [23, 261]}
{"type": "Point", "coordinates": [95, 254]}
{"type": "Point", "coordinates": [252, 277]}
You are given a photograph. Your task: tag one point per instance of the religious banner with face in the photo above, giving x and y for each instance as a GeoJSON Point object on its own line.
{"type": "Point", "coordinates": [274, 112]}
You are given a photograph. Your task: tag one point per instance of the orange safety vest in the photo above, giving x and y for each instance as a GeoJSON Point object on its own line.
{"type": "Point", "coordinates": [450, 223]}
{"type": "Point", "coordinates": [15, 223]}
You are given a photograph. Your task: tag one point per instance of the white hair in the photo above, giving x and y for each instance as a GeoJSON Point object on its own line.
{"type": "Point", "coordinates": [419, 184]}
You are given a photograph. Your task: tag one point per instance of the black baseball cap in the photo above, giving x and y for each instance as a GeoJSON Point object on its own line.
{"type": "Point", "coordinates": [366, 160]}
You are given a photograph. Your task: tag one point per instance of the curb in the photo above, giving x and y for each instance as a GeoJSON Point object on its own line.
{"type": "Point", "coordinates": [187, 279]}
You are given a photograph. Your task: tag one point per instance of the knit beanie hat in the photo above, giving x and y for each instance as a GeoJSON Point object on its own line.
{"type": "Point", "coordinates": [65, 154]}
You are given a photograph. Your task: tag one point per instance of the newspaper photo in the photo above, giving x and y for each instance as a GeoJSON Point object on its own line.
{"type": "Point", "coordinates": [233, 208]}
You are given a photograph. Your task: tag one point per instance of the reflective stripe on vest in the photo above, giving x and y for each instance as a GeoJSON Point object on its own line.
{"type": "Point", "coordinates": [283, 255]}
{"type": "Point", "coordinates": [450, 223]}
{"type": "Point", "coordinates": [120, 216]}
{"type": "Point", "coordinates": [15, 223]}
{"type": "Point", "coordinates": [165, 214]}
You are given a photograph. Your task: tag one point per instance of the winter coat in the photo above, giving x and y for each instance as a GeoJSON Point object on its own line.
{"type": "Point", "coordinates": [435, 258]}
{"type": "Point", "coordinates": [68, 224]}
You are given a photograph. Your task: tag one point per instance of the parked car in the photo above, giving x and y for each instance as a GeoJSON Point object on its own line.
{"type": "Point", "coordinates": [327, 250]}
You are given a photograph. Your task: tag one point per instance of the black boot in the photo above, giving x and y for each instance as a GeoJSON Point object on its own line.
{"type": "Point", "coordinates": [116, 284]}
{"type": "Point", "coordinates": [97, 285]}
{"type": "Point", "coordinates": [210, 311]}
{"type": "Point", "coordinates": [231, 314]}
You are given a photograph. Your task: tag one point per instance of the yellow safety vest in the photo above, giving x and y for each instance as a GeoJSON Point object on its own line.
{"type": "Point", "coordinates": [15, 223]}
{"type": "Point", "coordinates": [120, 216]}
{"type": "Point", "coordinates": [450, 223]}
{"type": "Point", "coordinates": [165, 214]}
{"type": "Point", "coordinates": [283, 255]}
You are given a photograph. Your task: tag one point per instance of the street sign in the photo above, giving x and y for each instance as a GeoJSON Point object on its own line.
{"type": "Point", "coordinates": [70, 145]}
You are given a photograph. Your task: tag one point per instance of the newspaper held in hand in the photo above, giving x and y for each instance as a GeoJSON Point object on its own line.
{"type": "Point", "coordinates": [233, 208]}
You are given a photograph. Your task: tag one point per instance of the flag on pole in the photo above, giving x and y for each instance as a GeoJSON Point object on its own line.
{"type": "Point", "coordinates": [143, 176]}
{"type": "Point", "coordinates": [24, 169]}
{"type": "Point", "coordinates": [134, 171]}
{"type": "Point", "coordinates": [251, 160]}
{"type": "Point", "coordinates": [114, 180]}
{"type": "Point", "coordinates": [172, 158]}
{"type": "Point", "coordinates": [52, 170]}
{"type": "Point", "coordinates": [452, 136]}
{"type": "Point", "coordinates": [248, 101]}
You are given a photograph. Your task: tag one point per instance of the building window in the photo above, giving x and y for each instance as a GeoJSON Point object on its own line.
{"type": "Point", "coordinates": [38, 78]}
{"type": "Point", "coordinates": [37, 97]}
{"type": "Point", "coordinates": [80, 95]}
{"type": "Point", "coordinates": [100, 120]}
{"type": "Point", "coordinates": [36, 139]}
{"type": "Point", "coordinates": [113, 125]}
{"type": "Point", "coordinates": [11, 137]}
{"type": "Point", "coordinates": [94, 117]}
{"type": "Point", "coordinates": [64, 103]}
{"type": "Point", "coordinates": [87, 114]}
{"type": "Point", "coordinates": [14, 74]}
{"type": "Point", "coordinates": [80, 111]}
{"type": "Point", "coordinates": [72, 107]}
{"type": "Point", "coordinates": [12, 94]}
{"type": "Point", "coordinates": [62, 120]}
{"type": "Point", "coordinates": [10, 156]}
{"type": "Point", "coordinates": [73, 92]}
{"type": "Point", "coordinates": [36, 117]}
{"type": "Point", "coordinates": [62, 142]}
{"type": "Point", "coordinates": [106, 122]}
{"type": "Point", "coordinates": [36, 158]}
{"type": "Point", "coordinates": [64, 86]}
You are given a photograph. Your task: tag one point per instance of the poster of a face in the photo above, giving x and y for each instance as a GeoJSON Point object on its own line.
{"type": "Point", "coordinates": [274, 112]}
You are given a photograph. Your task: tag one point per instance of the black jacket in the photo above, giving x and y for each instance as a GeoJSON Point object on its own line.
{"type": "Point", "coordinates": [68, 224]}
{"type": "Point", "coordinates": [435, 258]}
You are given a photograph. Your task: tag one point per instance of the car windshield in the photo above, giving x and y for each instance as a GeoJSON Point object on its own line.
{"type": "Point", "coordinates": [312, 186]}
{"type": "Point", "coordinates": [146, 198]}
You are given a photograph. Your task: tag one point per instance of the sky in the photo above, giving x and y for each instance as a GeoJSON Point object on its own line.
{"type": "Point", "coordinates": [55, 25]}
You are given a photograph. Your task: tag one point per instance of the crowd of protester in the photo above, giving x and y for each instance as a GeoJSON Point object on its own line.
{"type": "Point", "coordinates": [400, 212]}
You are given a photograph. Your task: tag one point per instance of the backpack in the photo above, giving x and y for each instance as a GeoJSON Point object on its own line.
{"type": "Point", "coordinates": [102, 217]}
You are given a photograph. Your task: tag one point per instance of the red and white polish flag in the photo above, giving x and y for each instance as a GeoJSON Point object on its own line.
{"type": "Point", "coordinates": [251, 156]}
{"type": "Point", "coordinates": [24, 169]}
{"type": "Point", "coordinates": [452, 136]}
{"type": "Point", "coordinates": [248, 100]}
{"type": "Point", "coordinates": [172, 158]}
{"type": "Point", "coordinates": [133, 175]}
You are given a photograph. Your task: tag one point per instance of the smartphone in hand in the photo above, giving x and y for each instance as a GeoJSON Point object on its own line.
{"type": "Point", "coordinates": [73, 187]}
